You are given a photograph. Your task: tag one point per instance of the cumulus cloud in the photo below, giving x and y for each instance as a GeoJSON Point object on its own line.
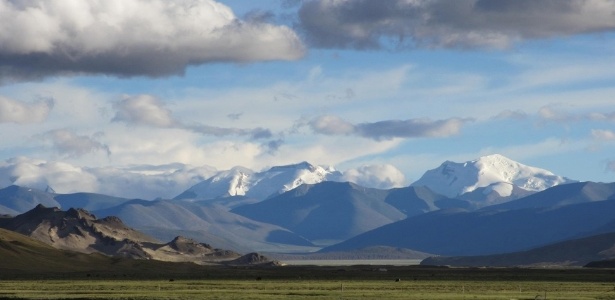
{"type": "Point", "coordinates": [143, 181]}
{"type": "Point", "coordinates": [12, 111]}
{"type": "Point", "coordinates": [146, 110]}
{"type": "Point", "coordinates": [131, 37]}
{"type": "Point", "coordinates": [377, 176]}
{"type": "Point", "coordinates": [366, 24]}
{"type": "Point", "coordinates": [389, 129]}
{"type": "Point", "coordinates": [68, 143]}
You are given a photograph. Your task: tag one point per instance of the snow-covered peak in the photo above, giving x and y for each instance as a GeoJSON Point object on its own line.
{"type": "Point", "coordinates": [493, 172]}
{"type": "Point", "coordinates": [260, 185]}
{"type": "Point", "coordinates": [233, 182]}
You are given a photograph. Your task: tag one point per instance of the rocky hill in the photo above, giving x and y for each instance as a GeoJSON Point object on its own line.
{"type": "Point", "coordinates": [78, 230]}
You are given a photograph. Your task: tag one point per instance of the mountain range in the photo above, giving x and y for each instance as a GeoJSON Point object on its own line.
{"type": "Point", "coordinates": [487, 206]}
{"type": "Point", "coordinates": [490, 231]}
{"type": "Point", "coordinates": [335, 211]}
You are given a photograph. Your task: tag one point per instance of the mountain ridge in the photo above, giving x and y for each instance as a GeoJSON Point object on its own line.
{"type": "Point", "coordinates": [574, 252]}
{"type": "Point", "coordinates": [457, 232]}
{"type": "Point", "coordinates": [241, 181]}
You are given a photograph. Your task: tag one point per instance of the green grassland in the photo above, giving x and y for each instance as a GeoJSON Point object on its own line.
{"type": "Point", "coordinates": [356, 282]}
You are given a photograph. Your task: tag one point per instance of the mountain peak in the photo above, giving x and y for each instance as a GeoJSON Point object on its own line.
{"type": "Point", "coordinates": [491, 173]}
{"type": "Point", "coordinates": [80, 213]}
{"type": "Point", "coordinates": [259, 185]}
{"type": "Point", "coordinates": [42, 209]}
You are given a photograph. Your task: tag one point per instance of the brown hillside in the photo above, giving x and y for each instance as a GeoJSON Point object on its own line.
{"type": "Point", "coordinates": [78, 230]}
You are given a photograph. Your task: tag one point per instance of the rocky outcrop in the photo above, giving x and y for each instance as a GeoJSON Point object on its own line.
{"type": "Point", "coordinates": [252, 259]}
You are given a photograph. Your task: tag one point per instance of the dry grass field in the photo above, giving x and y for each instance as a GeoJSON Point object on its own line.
{"type": "Point", "coordinates": [355, 282]}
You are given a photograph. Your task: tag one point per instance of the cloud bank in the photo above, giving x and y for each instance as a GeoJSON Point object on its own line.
{"type": "Point", "coordinates": [389, 129]}
{"type": "Point", "coordinates": [153, 38]}
{"type": "Point", "coordinates": [367, 24]}
{"type": "Point", "coordinates": [147, 181]}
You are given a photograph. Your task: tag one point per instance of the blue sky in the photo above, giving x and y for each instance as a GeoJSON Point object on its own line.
{"type": "Point", "coordinates": [145, 98]}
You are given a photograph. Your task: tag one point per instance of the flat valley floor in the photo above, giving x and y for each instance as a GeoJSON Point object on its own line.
{"type": "Point", "coordinates": [311, 282]}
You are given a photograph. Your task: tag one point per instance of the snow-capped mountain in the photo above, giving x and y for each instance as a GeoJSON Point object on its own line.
{"type": "Point", "coordinates": [486, 175]}
{"type": "Point", "coordinates": [240, 181]}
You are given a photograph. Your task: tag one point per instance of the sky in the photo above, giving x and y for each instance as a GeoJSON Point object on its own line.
{"type": "Point", "coordinates": [145, 98]}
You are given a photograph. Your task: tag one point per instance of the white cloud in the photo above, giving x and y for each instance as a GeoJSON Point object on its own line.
{"type": "Point", "coordinates": [12, 111]}
{"type": "Point", "coordinates": [39, 174]}
{"type": "Point", "coordinates": [150, 182]}
{"type": "Point", "coordinates": [131, 37]}
{"type": "Point", "coordinates": [383, 176]}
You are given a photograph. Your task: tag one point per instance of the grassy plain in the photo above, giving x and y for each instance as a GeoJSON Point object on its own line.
{"type": "Point", "coordinates": [309, 282]}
